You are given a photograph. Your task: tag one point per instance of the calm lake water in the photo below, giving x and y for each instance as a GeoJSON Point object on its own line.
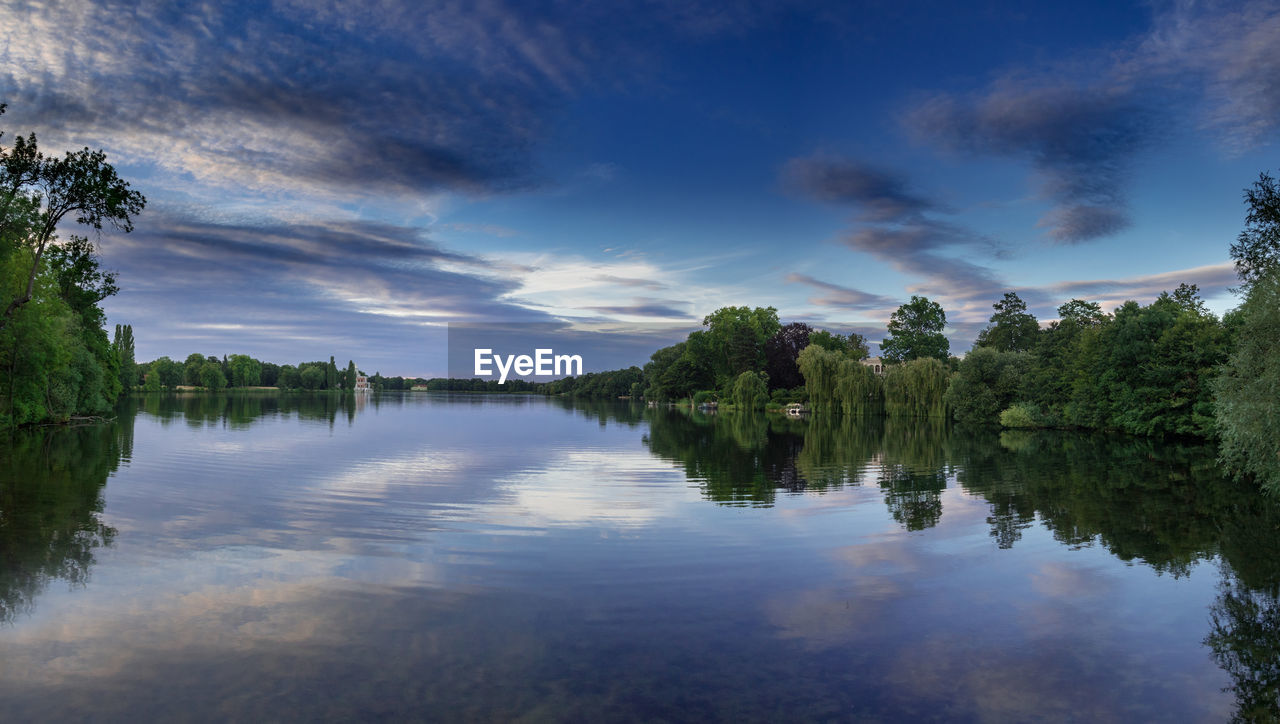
{"type": "Point", "coordinates": [418, 556]}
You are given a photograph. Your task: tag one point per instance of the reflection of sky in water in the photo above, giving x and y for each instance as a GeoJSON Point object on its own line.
{"type": "Point", "coordinates": [494, 558]}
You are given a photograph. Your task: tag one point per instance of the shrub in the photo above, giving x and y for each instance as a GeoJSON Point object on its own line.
{"type": "Point", "coordinates": [1020, 415]}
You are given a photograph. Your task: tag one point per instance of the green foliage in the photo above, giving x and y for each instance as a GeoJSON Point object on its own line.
{"type": "Point", "coordinates": [1247, 393]}
{"type": "Point", "coordinates": [704, 396]}
{"type": "Point", "coordinates": [853, 345]}
{"type": "Point", "coordinates": [167, 373]}
{"type": "Point", "coordinates": [312, 378]}
{"type": "Point", "coordinates": [56, 360]}
{"type": "Point", "coordinates": [349, 379]}
{"type": "Point", "coordinates": [916, 388]}
{"type": "Point", "coordinates": [122, 348]}
{"type": "Point", "coordinates": [1012, 328]}
{"type": "Point", "coordinates": [915, 332]}
{"type": "Point", "coordinates": [211, 377]}
{"type": "Point", "coordinates": [288, 379]}
{"type": "Point", "coordinates": [245, 371]}
{"type": "Point", "coordinates": [734, 341]}
{"type": "Point", "coordinates": [750, 391]}
{"type": "Point", "coordinates": [858, 389]}
{"type": "Point", "coordinates": [986, 382]}
{"type": "Point", "coordinates": [819, 367]}
{"type": "Point", "coordinates": [1257, 249]}
{"type": "Point", "coordinates": [1022, 414]}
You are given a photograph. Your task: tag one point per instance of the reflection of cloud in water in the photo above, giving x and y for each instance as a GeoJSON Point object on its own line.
{"type": "Point", "coordinates": [613, 488]}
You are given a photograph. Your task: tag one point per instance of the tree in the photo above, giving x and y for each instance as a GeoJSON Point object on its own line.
{"type": "Point", "coordinates": [331, 375]}
{"type": "Point", "coordinates": [853, 345]}
{"type": "Point", "coordinates": [735, 339]}
{"type": "Point", "coordinates": [191, 368]}
{"type": "Point", "coordinates": [1081, 313]}
{"type": "Point", "coordinates": [168, 374]}
{"type": "Point", "coordinates": [122, 346]}
{"type": "Point", "coordinates": [915, 332]}
{"type": "Point", "coordinates": [987, 382]}
{"type": "Point", "coordinates": [750, 391]}
{"type": "Point", "coordinates": [312, 378]}
{"type": "Point", "coordinates": [211, 376]}
{"type": "Point", "coordinates": [916, 388]}
{"type": "Point", "coordinates": [38, 192]}
{"type": "Point", "coordinates": [1257, 248]}
{"type": "Point", "coordinates": [1246, 391]}
{"type": "Point", "coordinates": [245, 370]}
{"type": "Point", "coordinates": [288, 379]}
{"type": "Point", "coordinates": [780, 353]}
{"type": "Point", "coordinates": [349, 382]}
{"type": "Point", "coordinates": [1012, 328]}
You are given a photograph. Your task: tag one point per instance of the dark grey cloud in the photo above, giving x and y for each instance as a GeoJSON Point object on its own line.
{"type": "Point", "coordinates": [1080, 139]}
{"type": "Point", "coordinates": [878, 195]}
{"type": "Point", "coordinates": [1083, 123]}
{"type": "Point", "coordinates": [834, 295]}
{"type": "Point", "coordinates": [662, 308]}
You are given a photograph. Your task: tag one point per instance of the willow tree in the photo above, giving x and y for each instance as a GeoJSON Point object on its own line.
{"type": "Point", "coordinates": [859, 390]}
{"type": "Point", "coordinates": [819, 367]}
{"type": "Point", "coordinates": [750, 391]}
{"type": "Point", "coordinates": [916, 388]}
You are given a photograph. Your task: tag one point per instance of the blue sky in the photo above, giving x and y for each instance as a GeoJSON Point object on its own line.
{"type": "Point", "coordinates": [347, 178]}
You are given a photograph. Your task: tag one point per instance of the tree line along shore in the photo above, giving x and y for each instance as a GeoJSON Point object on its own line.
{"type": "Point", "coordinates": [1169, 368]}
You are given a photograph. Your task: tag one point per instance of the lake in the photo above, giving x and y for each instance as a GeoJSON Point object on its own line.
{"type": "Point", "coordinates": [425, 556]}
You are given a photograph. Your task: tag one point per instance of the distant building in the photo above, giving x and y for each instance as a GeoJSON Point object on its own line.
{"type": "Point", "coordinates": [875, 363]}
{"type": "Point", "coordinates": [362, 383]}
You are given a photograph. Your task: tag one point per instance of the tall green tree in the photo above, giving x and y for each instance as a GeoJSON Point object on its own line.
{"type": "Point", "coordinates": [38, 192]}
{"type": "Point", "coordinates": [245, 370]}
{"type": "Point", "coordinates": [915, 332]}
{"type": "Point", "coordinates": [56, 358]}
{"type": "Point", "coordinates": [122, 347]}
{"type": "Point", "coordinates": [331, 375]}
{"type": "Point", "coordinates": [191, 369]}
{"type": "Point", "coordinates": [1257, 248]}
{"type": "Point", "coordinates": [1247, 392]}
{"type": "Point", "coordinates": [349, 381]}
{"type": "Point", "coordinates": [735, 340]}
{"type": "Point", "coordinates": [1012, 328]}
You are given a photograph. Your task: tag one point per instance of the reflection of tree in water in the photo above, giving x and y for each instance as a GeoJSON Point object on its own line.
{"type": "Point", "coordinates": [1245, 618]}
{"type": "Point", "coordinates": [1142, 499]}
{"type": "Point", "coordinates": [913, 470]}
{"type": "Point", "coordinates": [740, 459]}
{"type": "Point", "coordinates": [1245, 641]}
{"type": "Point", "coordinates": [240, 410]}
{"type": "Point", "coordinates": [51, 482]}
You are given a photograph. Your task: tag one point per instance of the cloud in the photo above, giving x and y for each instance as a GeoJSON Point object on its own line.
{"type": "Point", "coordinates": [1225, 53]}
{"type": "Point", "coordinates": [878, 194]}
{"type": "Point", "coordinates": [1080, 139]}
{"type": "Point", "coordinates": [300, 291]}
{"type": "Point", "coordinates": [1213, 280]}
{"type": "Point", "coordinates": [629, 282]}
{"type": "Point", "coordinates": [841, 297]}
{"type": "Point", "coordinates": [1083, 123]}
{"type": "Point", "coordinates": [662, 308]}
